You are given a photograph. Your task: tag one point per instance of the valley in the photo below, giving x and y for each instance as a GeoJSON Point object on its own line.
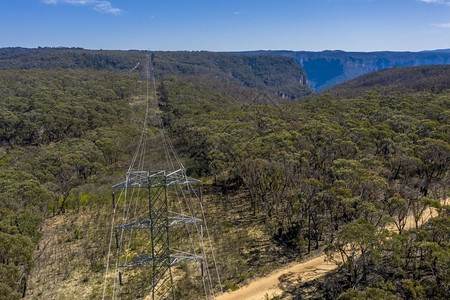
{"type": "Point", "coordinates": [328, 68]}
{"type": "Point", "coordinates": [289, 176]}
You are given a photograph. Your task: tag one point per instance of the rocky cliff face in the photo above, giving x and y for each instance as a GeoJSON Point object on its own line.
{"type": "Point", "coordinates": [327, 68]}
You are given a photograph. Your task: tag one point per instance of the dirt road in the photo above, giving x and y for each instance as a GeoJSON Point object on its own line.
{"type": "Point", "coordinates": [272, 284]}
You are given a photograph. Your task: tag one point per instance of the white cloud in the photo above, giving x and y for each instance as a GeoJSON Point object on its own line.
{"type": "Point", "coordinates": [238, 13]}
{"type": "Point", "coordinates": [104, 7]}
{"type": "Point", "coordinates": [442, 25]}
{"type": "Point", "coordinates": [80, 2]}
{"type": "Point", "coordinates": [446, 2]}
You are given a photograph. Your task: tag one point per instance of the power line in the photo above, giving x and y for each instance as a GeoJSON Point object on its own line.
{"type": "Point", "coordinates": [159, 220]}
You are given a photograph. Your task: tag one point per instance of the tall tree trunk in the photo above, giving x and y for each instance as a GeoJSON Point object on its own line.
{"type": "Point", "coordinates": [309, 228]}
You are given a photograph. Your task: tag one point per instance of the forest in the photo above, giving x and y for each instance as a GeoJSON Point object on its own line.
{"type": "Point", "coordinates": [60, 129]}
{"type": "Point", "coordinates": [284, 178]}
{"type": "Point", "coordinates": [332, 171]}
{"type": "Point", "coordinates": [277, 74]}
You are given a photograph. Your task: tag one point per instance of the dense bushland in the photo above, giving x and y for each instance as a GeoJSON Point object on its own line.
{"type": "Point", "coordinates": [60, 131]}
{"type": "Point", "coordinates": [281, 179]}
{"type": "Point", "coordinates": [276, 74]}
{"type": "Point", "coordinates": [375, 263]}
{"type": "Point", "coordinates": [330, 172]}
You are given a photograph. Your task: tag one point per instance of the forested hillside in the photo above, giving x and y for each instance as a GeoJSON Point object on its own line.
{"type": "Point", "coordinates": [75, 58]}
{"type": "Point", "coordinates": [277, 74]}
{"type": "Point", "coordinates": [332, 172]}
{"type": "Point", "coordinates": [61, 130]}
{"type": "Point", "coordinates": [327, 68]}
{"type": "Point", "coordinates": [429, 79]}
{"type": "Point", "coordinates": [282, 180]}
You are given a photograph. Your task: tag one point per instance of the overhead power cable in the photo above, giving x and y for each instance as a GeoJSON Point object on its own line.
{"type": "Point", "coordinates": [188, 201]}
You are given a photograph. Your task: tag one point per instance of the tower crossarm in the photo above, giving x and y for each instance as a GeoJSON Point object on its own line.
{"type": "Point", "coordinates": [136, 224]}
{"type": "Point", "coordinates": [176, 219]}
{"type": "Point", "coordinates": [178, 257]}
{"type": "Point", "coordinates": [181, 257]}
{"type": "Point", "coordinates": [140, 262]}
{"type": "Point", "coordinates": [146, 179]}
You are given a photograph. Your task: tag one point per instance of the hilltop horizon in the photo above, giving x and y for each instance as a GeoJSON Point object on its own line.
{"type": "Point", "coordinates": [445, 50]}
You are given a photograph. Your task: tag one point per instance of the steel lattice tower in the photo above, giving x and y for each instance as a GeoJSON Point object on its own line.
{"type": "Point", "coordinates": [161, 257]}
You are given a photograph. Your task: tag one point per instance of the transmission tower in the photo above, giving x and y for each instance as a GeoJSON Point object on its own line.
{"type": "Point", "coordinates": [155, 219]}
{"type": "Point", "coordinates": [159, 222]}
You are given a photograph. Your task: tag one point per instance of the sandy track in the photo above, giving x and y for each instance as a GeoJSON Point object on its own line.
{"type": "Point", "coordinates": [273, 284]}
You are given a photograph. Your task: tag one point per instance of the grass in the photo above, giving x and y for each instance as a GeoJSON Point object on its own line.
{"type": "Point", "coordinates": [72, 256]}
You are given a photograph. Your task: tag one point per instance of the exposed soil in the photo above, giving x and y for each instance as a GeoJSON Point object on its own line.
{"type": "Point", "coordinates": [276, 282]}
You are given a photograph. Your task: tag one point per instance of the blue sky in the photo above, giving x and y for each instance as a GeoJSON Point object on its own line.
{"type": "Point", "coordinates": [227, 25]}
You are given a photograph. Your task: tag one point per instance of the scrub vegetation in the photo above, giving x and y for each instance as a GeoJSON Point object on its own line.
{"type": "Point", "coordinates": [285, 175]}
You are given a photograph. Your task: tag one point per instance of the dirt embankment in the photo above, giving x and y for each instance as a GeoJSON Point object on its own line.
{"type": "Point", "coordinates": [273, 284]}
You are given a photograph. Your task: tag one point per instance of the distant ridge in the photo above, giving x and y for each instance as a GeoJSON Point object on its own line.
{"type": "Point", "coordinates": [320, 69]}
{"type": "Point", "coordinates": [438, 50]}
{"type": "Point", "coordinates": [277, 74]}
